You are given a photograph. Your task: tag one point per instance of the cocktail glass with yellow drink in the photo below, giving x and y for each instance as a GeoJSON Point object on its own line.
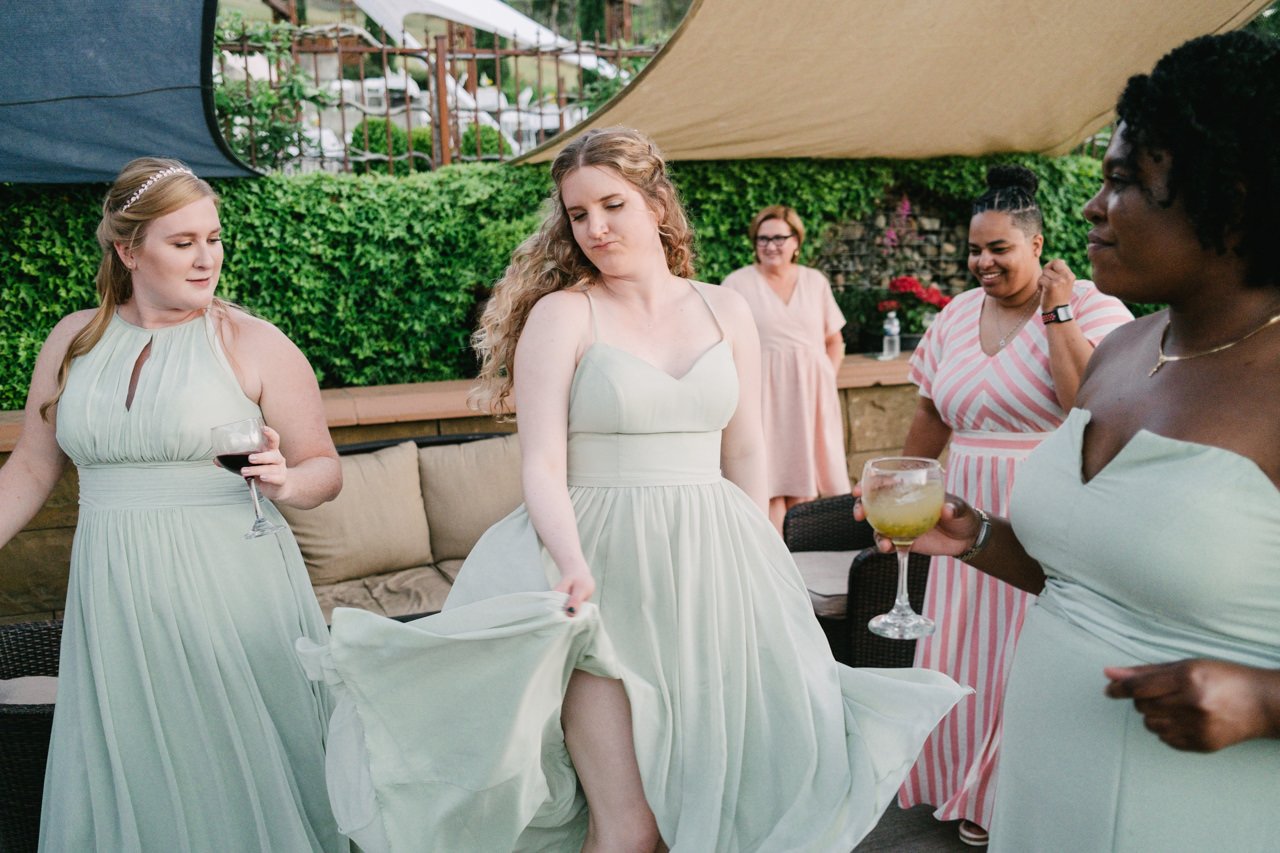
{"type": "Point", "coordinates": [902, 496]}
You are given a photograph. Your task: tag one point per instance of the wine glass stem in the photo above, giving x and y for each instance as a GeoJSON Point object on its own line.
{"type": "Point", "coordinates": [902, 604]}
{"type": "Point", "coordinates": [257, 508]}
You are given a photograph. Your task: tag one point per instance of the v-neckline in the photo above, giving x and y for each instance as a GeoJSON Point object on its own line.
{"type": "Point", "coordinates": [795, 288]}
{"type": "Point", "coordinates": [1127, 449]}
{"type": "Point", "coordinates": [692, 367]}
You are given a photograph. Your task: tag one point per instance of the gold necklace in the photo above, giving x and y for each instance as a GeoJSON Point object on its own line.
{"type": "Point", "coordinates": [1162, 359]}
{"type": "Point", "coordinates": [1004, 339]}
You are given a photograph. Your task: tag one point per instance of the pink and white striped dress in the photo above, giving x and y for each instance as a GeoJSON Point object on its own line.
{"type": "Point", "coordinates": [999, 408]}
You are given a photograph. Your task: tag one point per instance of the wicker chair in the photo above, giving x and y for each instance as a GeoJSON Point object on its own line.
{"type": "Point", "coordinates": [873, 585]}
{"type": "Point", "coordinates": [29, 648]}
{"type": "Point", "coordinates": [827, 524]}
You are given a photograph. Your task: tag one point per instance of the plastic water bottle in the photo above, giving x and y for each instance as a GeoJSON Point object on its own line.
{"type": "Point", "coordinates": [892, 339]}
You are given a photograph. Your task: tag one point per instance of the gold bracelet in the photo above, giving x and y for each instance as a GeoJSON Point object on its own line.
{"type": "Point", "coordinates": [980, 542]}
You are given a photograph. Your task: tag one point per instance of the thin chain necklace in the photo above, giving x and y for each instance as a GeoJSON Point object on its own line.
{"type": "Point", "coordinates": [1004, 339]}
{"type": "Point", "coordinates": [1162, 359]}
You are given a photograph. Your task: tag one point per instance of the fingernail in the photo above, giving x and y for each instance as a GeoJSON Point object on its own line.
{"type": "Point", "coordinates": [571, 610]}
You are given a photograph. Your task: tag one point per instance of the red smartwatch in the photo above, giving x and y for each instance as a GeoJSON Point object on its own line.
{"type": "Point", "coordinates": [1058, 314]}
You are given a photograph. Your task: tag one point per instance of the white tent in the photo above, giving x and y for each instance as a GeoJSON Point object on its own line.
{"type": "Point", "coordinates": [492, 16]}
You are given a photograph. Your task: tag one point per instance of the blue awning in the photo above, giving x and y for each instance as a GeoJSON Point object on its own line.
{"type": "Point", "coordinates": [87, 86]}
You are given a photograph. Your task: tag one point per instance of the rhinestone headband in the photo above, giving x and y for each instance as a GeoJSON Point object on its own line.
{"type": "Point", "coordinates": [163, 173]}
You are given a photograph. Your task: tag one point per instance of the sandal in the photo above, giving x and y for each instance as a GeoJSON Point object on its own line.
{"type": "Point", "coordinates": [972, 834]}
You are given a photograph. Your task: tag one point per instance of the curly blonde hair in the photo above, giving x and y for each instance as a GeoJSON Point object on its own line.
{"type": "Point", "coordinates": [139, 196]}
{"type": "Point", "coordinates": [551, 259]}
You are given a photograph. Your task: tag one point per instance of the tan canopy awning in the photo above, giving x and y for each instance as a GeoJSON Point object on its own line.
{"type": "Point", "coordinates": [743, 79]}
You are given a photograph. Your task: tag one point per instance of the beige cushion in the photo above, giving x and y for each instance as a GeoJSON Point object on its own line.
{"type": "Point", "coordinates": [412, 591]}
{"type": "Point", "coordinates": [826, 576]}
{"type": "Point", "coordinates": [467, 487]}
{"type": "Point", "coordinates": [29, 690]}
{"type": "Point", "coordinates": [351, 593]}
{"type": "Point", "coordinates": [376, 524]}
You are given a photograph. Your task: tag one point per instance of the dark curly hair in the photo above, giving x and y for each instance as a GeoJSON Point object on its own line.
{"type": "Point", "coordinates": [1012, 190]}
{"type": "Point", "coordinates": [1213, 106]}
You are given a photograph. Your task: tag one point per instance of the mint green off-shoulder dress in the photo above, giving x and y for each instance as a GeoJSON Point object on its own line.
{"type": "Point", "coordinates": [750, 737]}
{"type": "Point", "coordinates": [1171, 551]}
{"type": "Point", "coordinates": [183, 721]}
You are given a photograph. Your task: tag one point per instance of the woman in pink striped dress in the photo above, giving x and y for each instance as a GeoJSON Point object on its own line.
{"type": "Point", "coordinates": [997, 371]}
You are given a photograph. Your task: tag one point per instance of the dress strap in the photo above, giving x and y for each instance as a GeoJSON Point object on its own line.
{"type": "Point", "coordinates": [715, 318]}
{"type": "Point", "coordinates": [591, 307]}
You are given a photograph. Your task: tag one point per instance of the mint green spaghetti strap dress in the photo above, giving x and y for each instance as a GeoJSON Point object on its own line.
{"type": "Point", "coordinates": [750, 737]}
{"type": "Point", "coordinates": [184, 721]}
{"type": "Point", "coordinates": [1171, 551]}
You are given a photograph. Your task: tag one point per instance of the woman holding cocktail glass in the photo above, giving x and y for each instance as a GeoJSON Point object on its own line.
{"type": "Point", "coordinates": [997, 371]}
{"type": "Point", "coordinates": [183, 720]}
{"type": "Point", "coordinates": [1149, 523]}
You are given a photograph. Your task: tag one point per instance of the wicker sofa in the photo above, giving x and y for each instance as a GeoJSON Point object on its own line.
{"type": "Point", "coordinates": [849, 581]}
{"type": "Point", "coordinates": [408, 514]}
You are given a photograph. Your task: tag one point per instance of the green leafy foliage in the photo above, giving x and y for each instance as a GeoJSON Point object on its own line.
{"type": "Point", "coordinates": [491, 142]}
{"type": "Point", "coordinates": [377, 131]}
{"type": "Point", "coordinates": [379, 279]}
{"type": "Point", "coordinates": [261, 122]}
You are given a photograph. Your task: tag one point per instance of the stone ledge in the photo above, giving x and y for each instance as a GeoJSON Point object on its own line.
{"type": "Point", "coordinates": [427, 401]}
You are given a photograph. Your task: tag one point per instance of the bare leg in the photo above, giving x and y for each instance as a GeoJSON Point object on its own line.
{"type": "Point", "coordinates": [777, 511]}
{"type": "Point", "coordinates": [597, 730]}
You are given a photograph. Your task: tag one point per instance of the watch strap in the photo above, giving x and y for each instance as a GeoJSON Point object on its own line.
{"type": "Point", "coordinates": [1058, 314]}
{"type": "Point", "coordinates": [979, 542]}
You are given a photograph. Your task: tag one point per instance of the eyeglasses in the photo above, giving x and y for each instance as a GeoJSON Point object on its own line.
{"type": "Point", "coordinates": [776, 240]}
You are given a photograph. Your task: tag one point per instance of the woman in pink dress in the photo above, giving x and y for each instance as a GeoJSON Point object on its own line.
{"type": "Point", "coordinates": [801, 349]}
{"type": "Point", "coordinates": [998, 370]}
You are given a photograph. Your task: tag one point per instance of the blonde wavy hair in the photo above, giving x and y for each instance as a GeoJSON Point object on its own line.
{"type": "Point", "coordinates": [129, 227]}
{"type": "Point", "coordinates": [551, 259]}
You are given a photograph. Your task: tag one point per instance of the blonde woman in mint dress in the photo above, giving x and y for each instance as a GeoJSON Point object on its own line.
{"type": "Point", "coordinates": [1143, 705]}
{"type": "Point", "coordinates": [183, 721]}
{"type": "Point", "coordinates": [630, 660]}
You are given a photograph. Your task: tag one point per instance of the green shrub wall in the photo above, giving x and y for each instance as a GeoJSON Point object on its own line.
{"type": "Point", "coordinates": [378, 279]}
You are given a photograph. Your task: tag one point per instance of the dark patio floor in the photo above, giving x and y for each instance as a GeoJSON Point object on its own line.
{"type": "Point", "coordinates": [913, 831]}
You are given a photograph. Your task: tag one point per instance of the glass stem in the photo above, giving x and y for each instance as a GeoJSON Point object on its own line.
{"type": "Point", "coordinates": [257, 508]}
{"type": "Point", "coordinates": [902, 604]}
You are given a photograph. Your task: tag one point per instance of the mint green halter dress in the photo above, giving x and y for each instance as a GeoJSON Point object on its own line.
{"type": "Point", "coordinates": [750, 737]}
{"type": "Point", "coordinates": [183, 720]}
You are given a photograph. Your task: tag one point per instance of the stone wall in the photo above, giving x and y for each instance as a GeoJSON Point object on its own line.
{"type": "Point", "coordinates": [860, 258]}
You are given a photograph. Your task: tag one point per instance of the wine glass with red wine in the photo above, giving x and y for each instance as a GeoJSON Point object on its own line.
{"type": "Point", "coordinates": [232, 444]}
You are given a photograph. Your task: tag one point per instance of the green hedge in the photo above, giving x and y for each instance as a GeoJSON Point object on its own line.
{"type": "Point", "coordinates": [378, 279]}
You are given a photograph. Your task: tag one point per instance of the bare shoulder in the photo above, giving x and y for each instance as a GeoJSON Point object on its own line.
{"type": "Point", "coordinates": [246, 333]}
{"type": "Point", "coordinates": [1125, 338]}
{"type": "Point", "coordinates": [70, 326]}
{"type": "Point", "coordinates": [564, 311]}
{"type": "Point", "coordinates": [730, 306]}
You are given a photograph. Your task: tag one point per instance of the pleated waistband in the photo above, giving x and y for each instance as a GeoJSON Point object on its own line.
{"type": "Point", "coordinates": [163, 484]}
{"type": "Point", "coordinates": [644, 459]}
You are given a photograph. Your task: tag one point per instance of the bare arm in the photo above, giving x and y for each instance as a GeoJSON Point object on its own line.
{"type": "Point", "coordinates": [928, 434]}
{"type": "Point", "coordinates": [835, 349]}
{"type": "Point", "coordinates": [33, 469]}
{"type": "Point", "coordinates": [1069, 349]}
{"type": "Point", "coordinates": [300, 467]}
{"type": "Point", "coordinates": [742, 449]}
{"type": "Point", "coordinates": [546, 356]}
